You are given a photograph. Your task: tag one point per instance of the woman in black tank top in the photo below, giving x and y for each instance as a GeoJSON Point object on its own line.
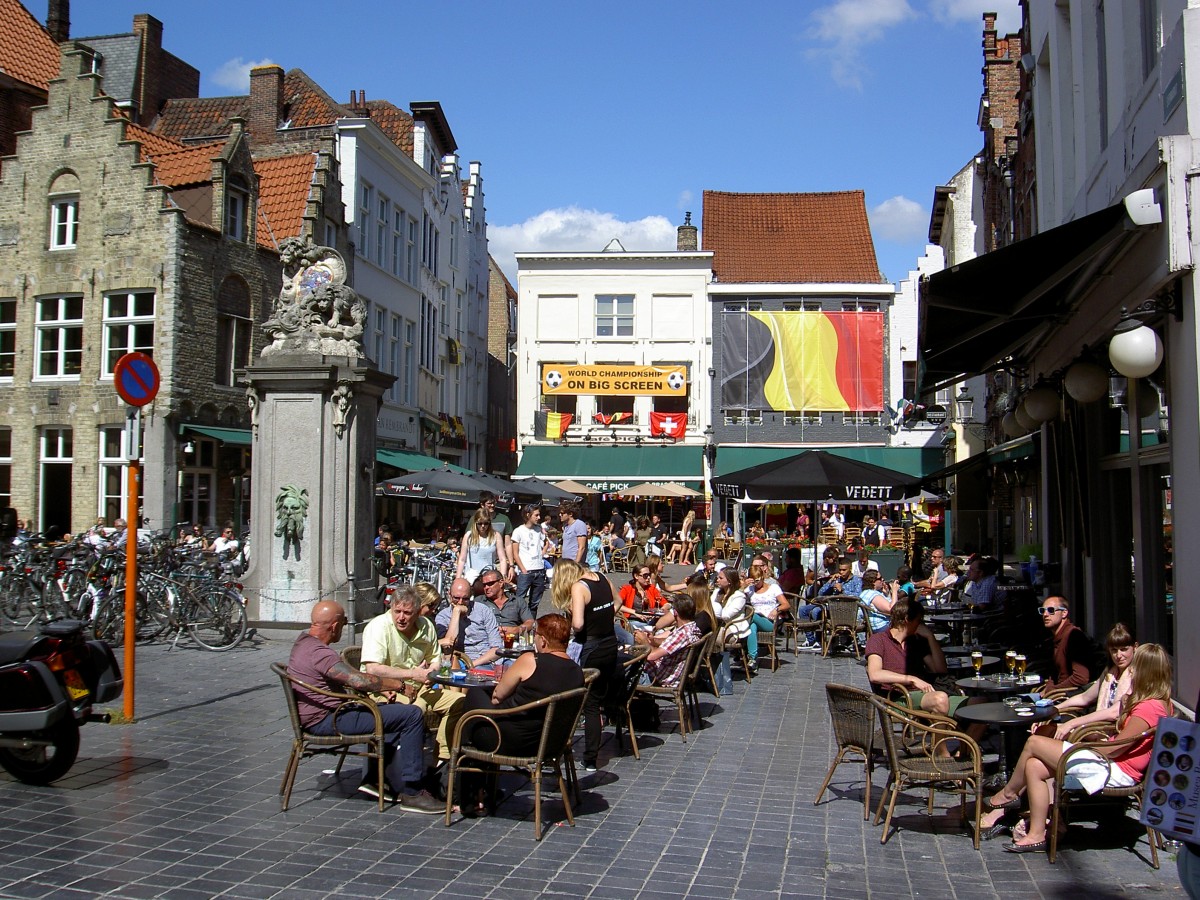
{"type": "Point", "coordinates": [592, 616]}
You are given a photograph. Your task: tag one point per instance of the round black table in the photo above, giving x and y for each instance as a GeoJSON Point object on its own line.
{"type": "Point", "coordinates": [957, 623]}
{"type": "Point", "coordinates": [513, 652]}
{"type": "Point", "coordinates": [1013, 722]}
{"type": "Point", "coordinates": [957, 664]}
{"type": "Point", "coordinates": [470, 681]}
{"type": "Point", "coordinates": [1004, 687]}
{"type": "Point", "coordinates": [967, 650]}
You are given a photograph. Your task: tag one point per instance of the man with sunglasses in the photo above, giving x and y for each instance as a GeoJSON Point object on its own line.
{"type": "Point", "coordinates": [1072, 649]}
{"type": "Point", "coordinates": [512, 614]}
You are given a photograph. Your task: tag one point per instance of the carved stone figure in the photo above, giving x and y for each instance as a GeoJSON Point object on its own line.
{"type": "Point", "coordinates": [291, 509]}
{"type": "Point", "coordinates": [342, 395]}
{"type": "Point", "coordinates": [316, 311]}
{"type": "Point", "coordinates": [253, 401]}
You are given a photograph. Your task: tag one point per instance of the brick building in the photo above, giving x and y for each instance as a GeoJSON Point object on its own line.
{"type": "Point", "coordinates": [501, 456]}
{"type": "Point", "coordinates": [112, 239]}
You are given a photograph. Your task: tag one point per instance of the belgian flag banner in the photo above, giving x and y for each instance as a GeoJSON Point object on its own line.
{"type": "Point", "coordinates": [550, 426]}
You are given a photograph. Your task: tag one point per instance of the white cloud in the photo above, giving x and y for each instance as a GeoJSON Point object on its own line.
{"type": "Point", "coordinates": [900, 220]}
{"type": "Point", "coordinates": [574, 229]}
{"type": "Point", "coordinates": [846, 26]}
{"type": "Point", "coordinates": [1008, 12]}
{"type": "Point", "coordinates": [685, 197]}
{"type": "Point", "coordinates": [235, 74]}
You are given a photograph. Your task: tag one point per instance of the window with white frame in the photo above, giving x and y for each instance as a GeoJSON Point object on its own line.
{"type": "Point", "coordinates": [429, 323]}
{"type": "Point", "coordinates": [862, 418]}
{"type": "Point", "coordinates": [380, 337]}
{"type": "Point", "coordinates": [410, 361]}
{"type": "Point", "coordinates": [382, 218]}
{"type": "Point", "coordinates": [5, 467]}
{"type": "Point", "coordinates": [733, 306]}
{"type": "Point", "coordinates": [410, 253]}
{"type": "Point", "coordinates": [399, 220]}
{"type": "Point", "coordinates": [237, 205]}
{"type": "Point", "coordinates": [59, 337]}
{"type": "Point", "coordinates": [234, 330]}
{"type": "Point", "coordinates": [113, 500]}
{"type": "Point", "coordinates": [128, 326]}
{"type": "Point", "coordinates": [8, 338]}
{"type": "Point", "coordinates": [802, 306]}
{"type": "Point", "coordinates": [614, 315]}
{"type": "Point", "coordinates": [453, 242]}
{"type": "Point", "coordinates": [394, 350]}
{"type": "Point", "coordinates": [64, 222]}
{"type": "Point", "coordinates": [860, 306]}
{"type": "Point", "coordinates": [366, 201]}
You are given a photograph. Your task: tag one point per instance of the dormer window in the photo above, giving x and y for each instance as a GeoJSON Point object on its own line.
{"type": "Point", "coordinates": [64, 212]}
{"type": "Point", "coordinates": [237, 202]}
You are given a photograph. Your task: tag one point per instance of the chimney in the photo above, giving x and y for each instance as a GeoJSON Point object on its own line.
{"type": "Point", "coordinates": [686, 235]}
{"type": "Point", "coordinates": [266, 102]}
{"type": "Point", "coordinates": [58, 20]}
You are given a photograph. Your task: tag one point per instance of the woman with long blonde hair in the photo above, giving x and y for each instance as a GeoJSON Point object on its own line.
{"type": "Point", "coordinates": [562, 578]}
{"type": "Point", "coordinates": [1098, 766]}
{"type": "Point", "coordinates": [482, 548]}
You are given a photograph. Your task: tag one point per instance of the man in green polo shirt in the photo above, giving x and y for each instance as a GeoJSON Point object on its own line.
{"type": "Point", "coordinates": [401, 643]}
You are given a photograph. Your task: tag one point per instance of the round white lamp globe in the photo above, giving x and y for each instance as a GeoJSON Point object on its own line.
{"type": "Point", "coordinates": [1135, 350]}
{"type": "Point", "coordinates": [1028, 422]}
{"type": "Point", "coordinates": [1042, 403]}
{"type": "Point", "coordinates": [1086, 382]}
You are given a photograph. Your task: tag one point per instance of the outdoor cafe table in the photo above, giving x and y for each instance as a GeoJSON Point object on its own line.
{"type": "Point", "coordinates": [957, 664]}
{"type": "Point", "coordinates": [967, 650]}
{"type": "Point", "coordinates": [1013, 722]}
{"type": "Point", "coordinates": [957, 622]}
{"type": "Point", "coordinates": [470, 681]}
{"type": "Point", "coordinates": [997, 686]}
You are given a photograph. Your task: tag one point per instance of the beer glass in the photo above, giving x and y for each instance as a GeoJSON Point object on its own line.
{"type": "Point", "coordinates": [977, 661]}
{"type": "Point", "coordinates": [1010, 660]}
{"type": "Point", "coordinates": [1021, 662]}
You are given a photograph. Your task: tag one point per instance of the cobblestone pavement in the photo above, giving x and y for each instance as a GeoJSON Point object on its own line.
{"type": "Point", "coordinates": [185, 803]}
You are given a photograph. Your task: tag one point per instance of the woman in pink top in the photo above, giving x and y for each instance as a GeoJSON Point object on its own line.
{"type": "Point", "coordinates": [1148, 701]}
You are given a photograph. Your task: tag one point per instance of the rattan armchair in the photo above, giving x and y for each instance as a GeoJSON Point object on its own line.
{"type": "Point", "coordinates": [305, 744]}
{"type": "Point", "coordinates": [562, 712]}
{"type": "Point", "coordinates": [677, 693]}
{"type": "Point", "coordinates": [841, 617]}
{"type": "Point", "coordinates": [1091, 734]}
{"type": "Point", "coordinates": [619, 561]}
{"type": "Point", "coordinates": [735, 644]}
{"type": "Point", "coordinates": [793, 627]}
{"type": "Point", "coordinates": [853, 716]}
{"type": "Point", "coordinates": [926, 764]}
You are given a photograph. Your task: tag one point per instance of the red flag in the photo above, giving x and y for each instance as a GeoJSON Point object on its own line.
{"type": "Point", "coordinates": [668, 424]}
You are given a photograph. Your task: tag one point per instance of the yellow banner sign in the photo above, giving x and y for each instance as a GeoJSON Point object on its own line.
{"type": "Point", "coordinates": [611, 381]}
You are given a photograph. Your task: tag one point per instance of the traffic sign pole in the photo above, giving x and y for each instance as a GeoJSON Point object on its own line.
{"type": "Point", "coordinates": [136, 379]}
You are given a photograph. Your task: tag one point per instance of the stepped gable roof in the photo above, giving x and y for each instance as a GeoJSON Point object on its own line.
{"type": "Point", "coordinates": [198, 117]}
{"type": "Point", "coordinates": [284, 183]}
{"type": "Point", "coordinates": [815, 238]}
{"type": "Point", "coordinates": [175, 164]}
{"type": "Point", "coordinates": [394, 122]}
{"type": "Point", "coordinates": [27, 52]}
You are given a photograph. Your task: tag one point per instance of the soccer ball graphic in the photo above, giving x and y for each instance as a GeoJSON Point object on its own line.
{"type": "Point", "coordinates": [675, 381]}
{"type": "Point", "coordinates": [553, 379]}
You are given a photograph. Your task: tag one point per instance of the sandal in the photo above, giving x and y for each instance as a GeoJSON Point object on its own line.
{"type": "Point", "coordinates": [1011, 804]}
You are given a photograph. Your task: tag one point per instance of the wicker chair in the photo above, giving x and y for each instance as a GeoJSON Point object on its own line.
{"type": "Point", "coordinates": [306, 744]}
{"type": "Point", "coordinates": [617, 704]}
{"type": "Point", "coordinates": [853, 716]}
{"type": "Point", "coordinates": [620, 560]}
{"type": "Point", "coordinates": [677, 693]}
{"type": "Point", "coordinates": [561, 716]}
{"type": "Point", "coordinates": [1063, 796]}
{"type": "Point", "coordinates": [841, 617]}
{"type": "Point", "coordinates": [734, 644]}
{"type": "Point", "coordinates": [924, 766]}
{"type": "Point", "coordinates": [691, 676]}
{"type": "Point", "coordinates": [794, 627]}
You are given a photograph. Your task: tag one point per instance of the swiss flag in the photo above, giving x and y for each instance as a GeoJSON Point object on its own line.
{"type": "Point", "coordinates": [668, 424]}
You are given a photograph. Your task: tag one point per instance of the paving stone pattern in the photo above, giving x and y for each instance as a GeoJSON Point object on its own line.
{"type": "Point", "coordinates": [185, 804]}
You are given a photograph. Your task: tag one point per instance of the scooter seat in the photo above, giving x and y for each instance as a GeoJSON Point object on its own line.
{"type": "Point", "coordinates": [16, 647]}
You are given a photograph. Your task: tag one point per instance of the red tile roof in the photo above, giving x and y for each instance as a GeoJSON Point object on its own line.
{"type": "Point", "coordinates": [819, 238]}
{"type": "Point", "coordinates": [284, 183]}
{"type": "Point", "coordinates": [305, 105]}
{"type": "Point", "coordinates": [27, 52]}
{"type": "Point", "coordinates": [175, 164]}
{"type": "Point", "coordinates": [394, 122]}
{"type": "Point", "coordinates": [194, 117]}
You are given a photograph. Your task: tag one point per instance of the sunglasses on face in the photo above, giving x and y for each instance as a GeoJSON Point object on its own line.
{"type": "Point", "coordinates": [1049, 610]}
{"type": "Point", "coordinates": [490, 583]}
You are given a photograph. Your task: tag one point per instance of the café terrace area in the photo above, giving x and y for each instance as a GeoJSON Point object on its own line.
{"type": "Point", "coordinates": [185, 803]}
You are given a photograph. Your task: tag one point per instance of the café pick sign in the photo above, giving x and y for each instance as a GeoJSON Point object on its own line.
{"type": "Point", "coordinates": [615, 381]}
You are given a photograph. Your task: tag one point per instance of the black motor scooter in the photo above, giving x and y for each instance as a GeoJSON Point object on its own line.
{"type": "Point", "coordinates": [48, 685]}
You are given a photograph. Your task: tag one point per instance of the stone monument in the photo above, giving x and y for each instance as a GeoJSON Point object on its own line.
{"type": "Point", "coordinates": [314, 398]}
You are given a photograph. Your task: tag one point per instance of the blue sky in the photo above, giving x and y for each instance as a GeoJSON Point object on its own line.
{"type": "Point", "coordinates": [595, 121]}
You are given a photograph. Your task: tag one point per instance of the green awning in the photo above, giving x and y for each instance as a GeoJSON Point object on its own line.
{"type": "Point", "coordinates": [909, 460]}
{"type": "Point", "coordinates": [1021, 448]}
{"type": "Point", "coordinates": [236, 437]}
{"type": "Point", "coordinates": [609, 468]}
{"type": "Point", "coordinates": [414, 462]}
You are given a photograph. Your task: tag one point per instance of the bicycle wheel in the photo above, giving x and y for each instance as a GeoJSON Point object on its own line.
{"type": "Point", "coordinates": [109, 622]}
{"type": "Point", "coordinates": [153, 608]}
{"type": "Point", "coordinates": [14, 605]}
{"type": "Point", "coordinates": [74, 584]}
{"type": "Point", "coordinates": [218, 620]}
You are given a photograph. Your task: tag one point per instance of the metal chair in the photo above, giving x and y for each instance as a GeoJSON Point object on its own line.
{"type": "Point", "coordinates": [676, 693]}
{"type": "Point", "coordinates": [306, 744]}
{"type": "Point", "coordinates": [853, 716]}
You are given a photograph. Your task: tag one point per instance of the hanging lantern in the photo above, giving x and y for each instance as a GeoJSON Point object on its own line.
{"type": "Point", "coordinates": [1147, 398]}
{"type": "Point", "coordinates": [1028, 422]}
{"type": "Point", "coordinates": [1135, 350]}
{"type": "Point", "coordinates": [1010, 426]}
{"type": "Point", "coordinates": [1086, 382]}
{"type": "Point", "coordinates": [1042, 404]}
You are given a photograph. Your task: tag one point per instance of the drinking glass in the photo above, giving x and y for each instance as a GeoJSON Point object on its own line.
{"type": "Point", "coordinates": [1021, 663]}
{"type": "Point", "coordinates": [977, 661]}
{"type": "Point", "coordinates": [509, 637]}
{"type": "Point", "coordinates": [1010, 660]}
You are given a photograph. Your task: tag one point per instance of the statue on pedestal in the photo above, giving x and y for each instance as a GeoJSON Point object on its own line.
{"type": "Point", "coordinates": [316, 311]}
